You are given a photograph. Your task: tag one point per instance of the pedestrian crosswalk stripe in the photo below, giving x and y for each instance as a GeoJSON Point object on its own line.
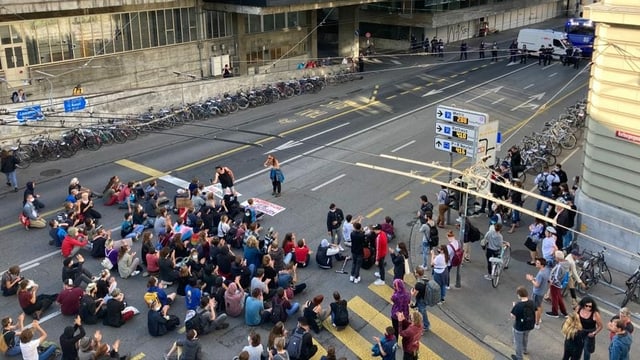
{"type": "Point", "coordinates": [321, 350]}
{"type": "Point", "coordinates": [443, 330]}
{"type": "Point", "coordinates": [380, 322]}
{"type": "Point", "coordinates": [355, 342]}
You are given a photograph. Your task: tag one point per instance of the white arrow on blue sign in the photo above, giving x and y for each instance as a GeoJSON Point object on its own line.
{"type": "Point", "coordinates": [75, 104]}
{"type": "Point", "coordinates": [29, 113]}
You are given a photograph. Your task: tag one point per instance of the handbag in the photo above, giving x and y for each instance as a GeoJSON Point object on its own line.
{"type": "Point", "coordinates": [483, 243]}
{"type": "Point", "coordinates": [407, 267]}
{"type": "Point", "coordinates": [106, 263]}
{"type": "Point", "coordinates": [530, 244]}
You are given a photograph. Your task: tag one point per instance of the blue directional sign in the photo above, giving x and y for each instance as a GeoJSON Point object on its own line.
{"type": "Point", "coordinates": [459, 132]}
{"type": "Point", "coordinates": [75, 104]}
{"type": "Point", "coordinates": [29, 113]}
{"type": "Point", "coordinates": [456, 147]}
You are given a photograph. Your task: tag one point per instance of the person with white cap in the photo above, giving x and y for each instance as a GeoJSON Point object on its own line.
{"type": "Point", "coordinates": [548, 246]}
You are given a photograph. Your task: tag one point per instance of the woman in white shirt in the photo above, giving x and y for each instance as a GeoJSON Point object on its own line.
{"type": "Point", "coordinates": [439, 262]}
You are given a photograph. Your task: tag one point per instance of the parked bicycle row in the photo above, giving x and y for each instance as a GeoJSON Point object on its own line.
{"type": "Point", "coordinates": [540, 149]}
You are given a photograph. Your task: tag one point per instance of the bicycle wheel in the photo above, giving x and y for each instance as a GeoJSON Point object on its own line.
{"type": "Point", "coordinates": [629, 295]}
{"type": "Point", "coordinates": [24, 158]}
{"type": "Point", "coordinates": [568, 142]}
{"type": "Point", "coordinates": [550, 158]}
{"type": "Point", "coordinates": [605, 273]}
{"type": "Point", "coordinates": [495, 275]}
{"type": "Point", "coordinates": [506, 257]}
{"type": "Point", "coordinates": [92, 143]}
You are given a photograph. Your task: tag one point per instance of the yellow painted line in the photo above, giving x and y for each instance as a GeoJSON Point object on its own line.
{"type": "Point", "coordinates": [475, 68]}
{"type": "Point", "coordinates": [416, 88]}
{"type": "Point", "coordinates": [443, 330]}
{"type": "Point", "coordinates": [453, 76]}
{"type": "Point", "coordinates": [374, 213]}
{"type": "Point", "coordinates": [402, 196]}
{"type": "Point", "coordinates": [380, 322]}
{"type": "Point", "coordinates": [441, 80]}
{"type": "Point", "coordinates": [140, 168]}
{"type": "Point", "coordinates": [405, 92]}
{"type": "Point", "coordinates": [391, 97]}
{"type": "Point", "coordinates": [321, 350]}
{"type": "Point", "coordinates": [355, 342]}
{"type": "Point", "coordinates": [138, 356]}
{"type": "Point", "coordinates": [464, 72]}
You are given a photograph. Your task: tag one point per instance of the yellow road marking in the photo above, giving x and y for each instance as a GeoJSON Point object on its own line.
{"type": "Point", "coordinates": [321, 350]}
{"type": "Point", "coordinates": [380, 322]}
{"type": "Point", "coordinates": [140, 168]}
{"type": "Point", "coordinates": [453, 76]}
{"type": "Point", "coordinates": [401, 196]}
{"type": "Point", "coordinates": [374, 213]}
{"type": "Point", "coordinates": [182, 330]}
{"type": "Point", "coordinates": [391, 97]}
{"type": "Point", "coordinates": [355, 342]}
{"type": "Point", "coordinates": [405, 92]}
{"type": "Point", "coordinates": [138, 356]}
{"type": "Point", "coordinates": [443, 330]}
{"type": "Point", "coordinates": [416, 88]}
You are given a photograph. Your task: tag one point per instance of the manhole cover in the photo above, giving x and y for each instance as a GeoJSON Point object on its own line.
{"type": "Point", "coordinates": [50, 172]}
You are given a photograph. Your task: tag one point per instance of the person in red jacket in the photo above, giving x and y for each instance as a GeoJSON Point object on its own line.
{"type": "Point", "coordinates": [381, 253]}
{"type": "Point", "coordinates": [411, 333]}
{"type": "Point", "coordinates": [72, 243]}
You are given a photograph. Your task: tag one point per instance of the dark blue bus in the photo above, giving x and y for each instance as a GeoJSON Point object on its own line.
{"type": "Point", "coordinates": [581, 33]}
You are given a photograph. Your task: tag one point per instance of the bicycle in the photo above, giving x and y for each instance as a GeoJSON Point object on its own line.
{"type": "Point", "coordinates": [500, 263]}
{"type": "Point", "coordinates": [593, 269]}
{"type": "Point", "coordinates": [632, 293]}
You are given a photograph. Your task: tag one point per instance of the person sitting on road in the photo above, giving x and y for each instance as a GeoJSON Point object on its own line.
{"type": "Point", "coordinates": [314, 314]}
{"type": "Point", "coordinates": [254, 311]}
{"type": "Point", "coordinates": [30, 190]}
{"type": "Point", "coordinates": [30, 210]}
{"type": "Point", "coordinates": [325, 254]}
{"type": "Point", "coordinates": [11, 281]}
{"type": "Point", "coordinates": [128, 263]}
{"type": "Point", "coordinates": [302, 253]}
{"type": "Point", "coordinates": [57, 233]}
{"type": "Point", "coordinates": [155, 286]}
{"type": "Point", "coordinates": [75, 271]}
{"type": "Point", "coordinates": [11, 333]}
{"type": "Point", "coordinates": [159, 322]}
{"type": "Point", "coordinates": [234, 298]}
{"type": "Point", "coordinates": [31, 303]}
{"type": "Point", "coordinates": [73, 242]}
{"type": "Point", "coordinates": [111, 191]}
{"type": "Point", "coordinates": [29, 346]}
{"type": "Point", "coordinates": [115, 315]}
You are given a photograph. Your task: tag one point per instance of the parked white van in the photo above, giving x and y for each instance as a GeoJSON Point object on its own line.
{"type": "Point", "coordinates": [534, 38]}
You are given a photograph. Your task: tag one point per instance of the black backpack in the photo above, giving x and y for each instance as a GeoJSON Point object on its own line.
{"type": "Point", "coordinates": [434, 239]}
{"type": "Point", "coordinates": [528, 316]}
{"type": "Point", "coordinates": [544, 183]}
{"type": "Point", "coordinates": [194, 322]}
{"type": "Point", "coordinates": [277, 311]}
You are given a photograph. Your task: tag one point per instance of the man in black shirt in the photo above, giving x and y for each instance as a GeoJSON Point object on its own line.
{"type": "Point", "coordinates": [69, 340]}
{"type": "Point", "coordinates": [357, 252]}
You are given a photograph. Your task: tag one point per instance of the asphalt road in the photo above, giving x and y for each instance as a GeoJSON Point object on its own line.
{"type": "Point", "coordinates": [319, 140]}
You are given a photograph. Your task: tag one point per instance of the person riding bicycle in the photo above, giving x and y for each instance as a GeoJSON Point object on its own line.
{"type": "Point", "coordinates": [495, 242]}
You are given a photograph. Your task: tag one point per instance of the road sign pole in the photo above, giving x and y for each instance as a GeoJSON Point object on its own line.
{"type": "Point", "coordinates": [463, 220]}
{"type": "Point", "coordinates": [450, 179]}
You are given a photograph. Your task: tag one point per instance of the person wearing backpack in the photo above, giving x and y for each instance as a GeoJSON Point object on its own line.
{"type": "Point", "coordinates": [300, 345]}
{"type": "Point", "coordinates": [524, 313]}
{"type": "Point", "coordinates": [544, 181]}
{"type": "Point", "coordinates": [455, 253]}
{"type": "Point", "coordinates": [559, 273]}
{"type": "Point", "coordinates": [339, 311]}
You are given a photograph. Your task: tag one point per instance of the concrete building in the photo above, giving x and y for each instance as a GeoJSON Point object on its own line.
{"type": "Point", "coordinates": [610, 189]}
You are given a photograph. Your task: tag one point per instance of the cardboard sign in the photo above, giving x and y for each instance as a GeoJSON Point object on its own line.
{"type": "Point", "coordinates": [216, 189]}
{"type": "Point", "coordinates": [183, 202]}
{"type": "Point", "coordinates": [263, 206]}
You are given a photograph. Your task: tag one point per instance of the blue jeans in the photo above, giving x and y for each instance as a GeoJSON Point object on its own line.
{"type": "Point", "coordinates": [515, 216]}
{"type": "Point", "coordinates": [14, 351]}
{"type": "Point", "coordinates": [11, 178]}
{"type": "Point", "coordinates": [287, 258]}
{"type": "Point", "coordinates": [425, 253]}
{"type": "Point", "coordinates": [356, 265]}
{"type": "Point", "coordinates": [48, 353]}
{"type": "Point", "coordinates": [137, 230]}
{"type": "Point", "coordinates": [422, 309]}
{"type": "Point", "coordinates": [441, 279]}
{"type": "Point", "coordinates": [543, 204]}
{"type": "Point", "coordinates": [566, 239]}
{"type": "Point", "coordinates": [294, 309]}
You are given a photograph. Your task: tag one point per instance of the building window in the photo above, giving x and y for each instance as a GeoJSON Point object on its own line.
{"type": "Point", "coordinates": [280, 21]}
{"type": "Point", "coordinates": [254, 24]}
{"type": "Point", "coordinates": [269, 22]}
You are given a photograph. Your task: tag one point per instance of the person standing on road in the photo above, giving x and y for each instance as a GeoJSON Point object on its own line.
{"type": "Point", "coordinates": [439, 262]}
{"type": "Point", "coordinates": [574, 277]}
{"type": "Point", "coordinates": [558, 272]}
{"type": "Point", "coordinates": [621, 343]}
{"type": "Point", "coordinates": [398, 257]}
{"type": "Point", "coordinates": [463, 50]}
{"type": "Point", "coordinates": [335, 217]}
{"type": "Point", "coordinates": [381, 253]}
{"type": "Point", "coordinates": [573, 338]}
{"type": "Point", "coordinates": [591, 323]}
{"type": "Point", "coordinates": [494, 52]}
{"type": "Point", "coordinates": [625, 316]}
{"type": "Point", "coordinates": [357, 252]}
{"type": "Point", "coordinates": [523, 312]}
{"type": "Point", "coordinates": [443, 205]}
{"type": "Point", "coordinates": [276, 175]}
{"type": "Point", "coordinates": [513, 51]}
{"type": "Point", "coordinates": [544, 182]}
{"type": "Point", "coordinates": [523, 54]}
{"type": "Point", "coordinates": [481, 49]}
{"type": "Point", "coordinates": [225, 177]}
{"type": "Point", "coordinates": [419, 292]}
{"type": "Point", "coordinates": [8, 165]}
{"type": "Point", "coordinates": [440, 48]}
{"type": "Point", "coordinates": [411, 333]}
{"type": "Point", "coordinates": [426, 208]}
{"type": "Point", "coordinates": [540, 283]}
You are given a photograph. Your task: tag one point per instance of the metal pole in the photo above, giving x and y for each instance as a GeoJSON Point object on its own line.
{"type": "Point", "coordinates": [450, 179]}
{"type": "Point", "coordinates": [463, 220]}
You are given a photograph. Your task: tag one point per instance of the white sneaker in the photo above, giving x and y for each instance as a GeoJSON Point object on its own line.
{"type": "Point", "coordinates": [379, 282]}
{"type": "Point", "coordinates": [356, 280]}
{"type": "Point", "coordinates": [341, 248]}
{"type": "Point", "coordinates": [347, 243]}
{"type": "Point", "coordinates": [351, 278]}
{"type": "Point", "coordinates": [487, 277]}
{"type": "Point", "coordinates": [448, 288]}
{"type": "Point", "coordinates": [537, 327]}
{"type": "Point", "coordinates": [135, 273]}
{"type": "Point", "coordinates": [376, 274]}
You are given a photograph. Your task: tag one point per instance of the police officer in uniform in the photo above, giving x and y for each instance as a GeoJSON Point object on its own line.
{"type": "Point", "coordinates": [549, 56]}
{"type": "Point", "coordinates": [542, 53]}
{"type": "Point", "coordinates": [481, 50]}
{"type": "Point", "coordinates": [523, 54]}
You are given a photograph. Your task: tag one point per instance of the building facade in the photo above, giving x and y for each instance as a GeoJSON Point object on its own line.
{"type": "Point", "coordinates": [610, 189]}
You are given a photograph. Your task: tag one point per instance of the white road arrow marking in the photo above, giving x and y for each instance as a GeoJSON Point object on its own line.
{"type": "Point", "coordinates": [438, 91]}
{"type": "Point", "coordinates": [494, 90]}
{"type": "Point", "coordinates": [527, 104]}
{"type": "Point", "coordinates": [293, 143]}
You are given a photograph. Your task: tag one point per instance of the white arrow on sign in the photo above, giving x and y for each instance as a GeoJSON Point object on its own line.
{"type": "Point", "coordinates": [293, 143]}
{"type": "Point", "coordinates": [494, 90]}
{"type": "Point", "coordinates": [438, 91]}
{"type": "Point", "coordinates": [527, 104]}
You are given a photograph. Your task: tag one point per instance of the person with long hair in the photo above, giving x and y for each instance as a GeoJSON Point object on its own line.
{"type": "Point", "coordinates": [128, 263]}
{"type": "Point", "coordinates": [276, 175]}
{"type": "Point", "coordinates": [278, 330]}
{"type": "Point", "coordinates": [573, 337]}
{"type": "Point", "coordinates": [400, 300]}
{"type": "Point", "coordinates": [536, 231]}
{"type": "Point", "coordinates": [398, 257]}
{"type": "Point", "coordinates": [591, 321]}
{"type": "Point", "coordinates": [439, 262]}
{"type": "Point", "coordinates": [411, 333]}
{"type": "Point", "coordinates": [111, 190]}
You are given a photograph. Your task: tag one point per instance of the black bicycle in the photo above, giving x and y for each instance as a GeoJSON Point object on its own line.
{"type": "Point", "coordinates": [593, 269]}
{"type": "Point", "coordinates": [633, 288]}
